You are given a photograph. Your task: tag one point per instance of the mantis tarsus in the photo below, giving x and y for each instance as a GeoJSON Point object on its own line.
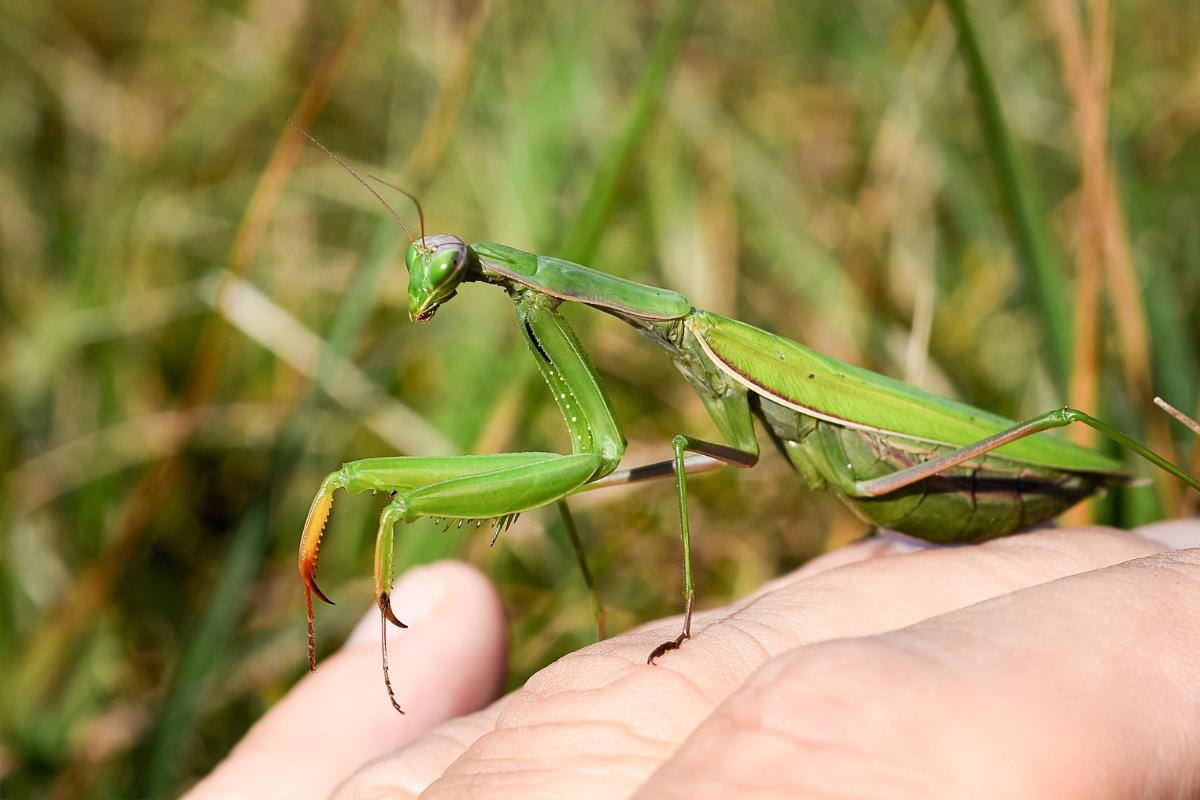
{"type": "Point", "coordinates": [900, 457]}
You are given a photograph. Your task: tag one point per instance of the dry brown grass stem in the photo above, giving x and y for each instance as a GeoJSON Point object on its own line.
{"type": "Point", "coordinates": [1088, 90]}
{"type": "Point", "coordinates": [1191, 424]}
{"type": "Point", "coordinates": [427, 153]}
{"type": "Point", "coordinates": [1184, 419]}
{"type": "Point", "coordinates": [1195, 468]}
{"type": "Point", "coordinates": [1102, 242]}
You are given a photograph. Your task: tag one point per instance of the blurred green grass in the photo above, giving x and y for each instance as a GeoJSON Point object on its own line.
{"type": "Point", "coordinates": [185, 290]}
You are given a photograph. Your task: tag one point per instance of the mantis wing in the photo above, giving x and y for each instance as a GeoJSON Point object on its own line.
{"type": "Point", "coordinates": [823, 387]}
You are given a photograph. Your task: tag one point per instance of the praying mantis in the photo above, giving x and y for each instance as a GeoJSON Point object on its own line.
{"type": "Point", "coordinates": [901, 458]}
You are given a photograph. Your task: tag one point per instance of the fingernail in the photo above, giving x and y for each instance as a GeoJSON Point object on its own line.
{"type": "Point", "coordinates": [421, 592]}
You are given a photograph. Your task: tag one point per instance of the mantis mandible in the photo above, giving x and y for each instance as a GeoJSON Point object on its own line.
{"type": "Point", "coordinates": [900, 457]}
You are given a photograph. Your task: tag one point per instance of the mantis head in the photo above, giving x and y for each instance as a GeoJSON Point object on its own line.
{"type": "Point", "coordinates": [436, 265]}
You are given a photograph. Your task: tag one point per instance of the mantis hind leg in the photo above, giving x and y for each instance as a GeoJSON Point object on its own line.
{"type": "Point", "coordinates": [1058, 418]}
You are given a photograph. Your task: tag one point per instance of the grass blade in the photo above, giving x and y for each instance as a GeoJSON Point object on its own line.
{"type": "Point", "coordinates": [1044, 275]}
{"type": "Point", "coordinates": [579, 244]}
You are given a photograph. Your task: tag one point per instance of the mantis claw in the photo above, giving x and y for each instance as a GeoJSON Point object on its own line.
{"type": "Point", "coordinates": [308, 570]}
{"type": "Point", "coordinates": [667, 647]}
{"type": "Point", "coordinates": [310, 584]}
{"type": "Point", "coordinates": [310, 545]}
{"type": "Point", "coordinates": [385, 605]}
{"type": "Point", "coordinates": [683, 636]}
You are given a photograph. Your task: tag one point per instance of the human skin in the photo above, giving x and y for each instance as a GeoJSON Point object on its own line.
{"type": "Point", "coordinates": [1059, 663]}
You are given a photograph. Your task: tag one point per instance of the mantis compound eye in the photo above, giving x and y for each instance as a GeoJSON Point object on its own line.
{"type": "Point", "coordinates": [444, 265]}
{"type": "Point", "coordinates": [436, 265]}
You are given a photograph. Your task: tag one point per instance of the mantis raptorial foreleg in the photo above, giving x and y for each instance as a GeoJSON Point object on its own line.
{"type": "Point", "coordinates": [481, 487]}
{"type": "Point", "coordinates": [393, 474]}
{"type": "Point", "coordinates": [1058, 418]}
{"type": "Point", "coordinates": [455, 487]}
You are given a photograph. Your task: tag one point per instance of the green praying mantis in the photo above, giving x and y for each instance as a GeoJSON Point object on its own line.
{"type": "Point", "coordinates": [901, 458]}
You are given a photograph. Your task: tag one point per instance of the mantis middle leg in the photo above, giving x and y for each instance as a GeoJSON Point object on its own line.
{"type": "Point", "coordinates": [731, 413]}
{"type": "Point", "coordinates": [727, 455]}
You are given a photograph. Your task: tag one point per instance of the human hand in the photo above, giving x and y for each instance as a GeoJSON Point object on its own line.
{"type": "Point", "coordinates": [450, 661]}
{"type": "Point", "coordinates": [1058, 663]}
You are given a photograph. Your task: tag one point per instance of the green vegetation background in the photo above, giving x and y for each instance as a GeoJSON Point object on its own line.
{"type": "Point", "coordinates": [201, 315]}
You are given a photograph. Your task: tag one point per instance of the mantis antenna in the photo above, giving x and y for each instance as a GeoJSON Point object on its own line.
{"type": "Point", "coordinates": [365, 185]}
{"type": "Point", "coordinates": [409, 195]}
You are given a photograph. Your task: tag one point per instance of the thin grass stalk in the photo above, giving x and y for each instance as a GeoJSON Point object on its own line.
{"type": "Point", "coordinates": [1086, 79]}
{"type": "Point", "coordinates": [1045, 277]}
{"type": "Point", "coordinates": [1125, 289]}
{"type": "Point", "coordinates": [426, 155]}
{"type": "Point", "coordinates": [579, 244]}
{"type": "Point", "coordinates": [1195, 468]}
{"type": "Point", "coordinates": [1089, 95]}
{"type": "Point", "coordinates": [248, 239]}
{"type": "Point", "coordinates": [1086, 73]}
